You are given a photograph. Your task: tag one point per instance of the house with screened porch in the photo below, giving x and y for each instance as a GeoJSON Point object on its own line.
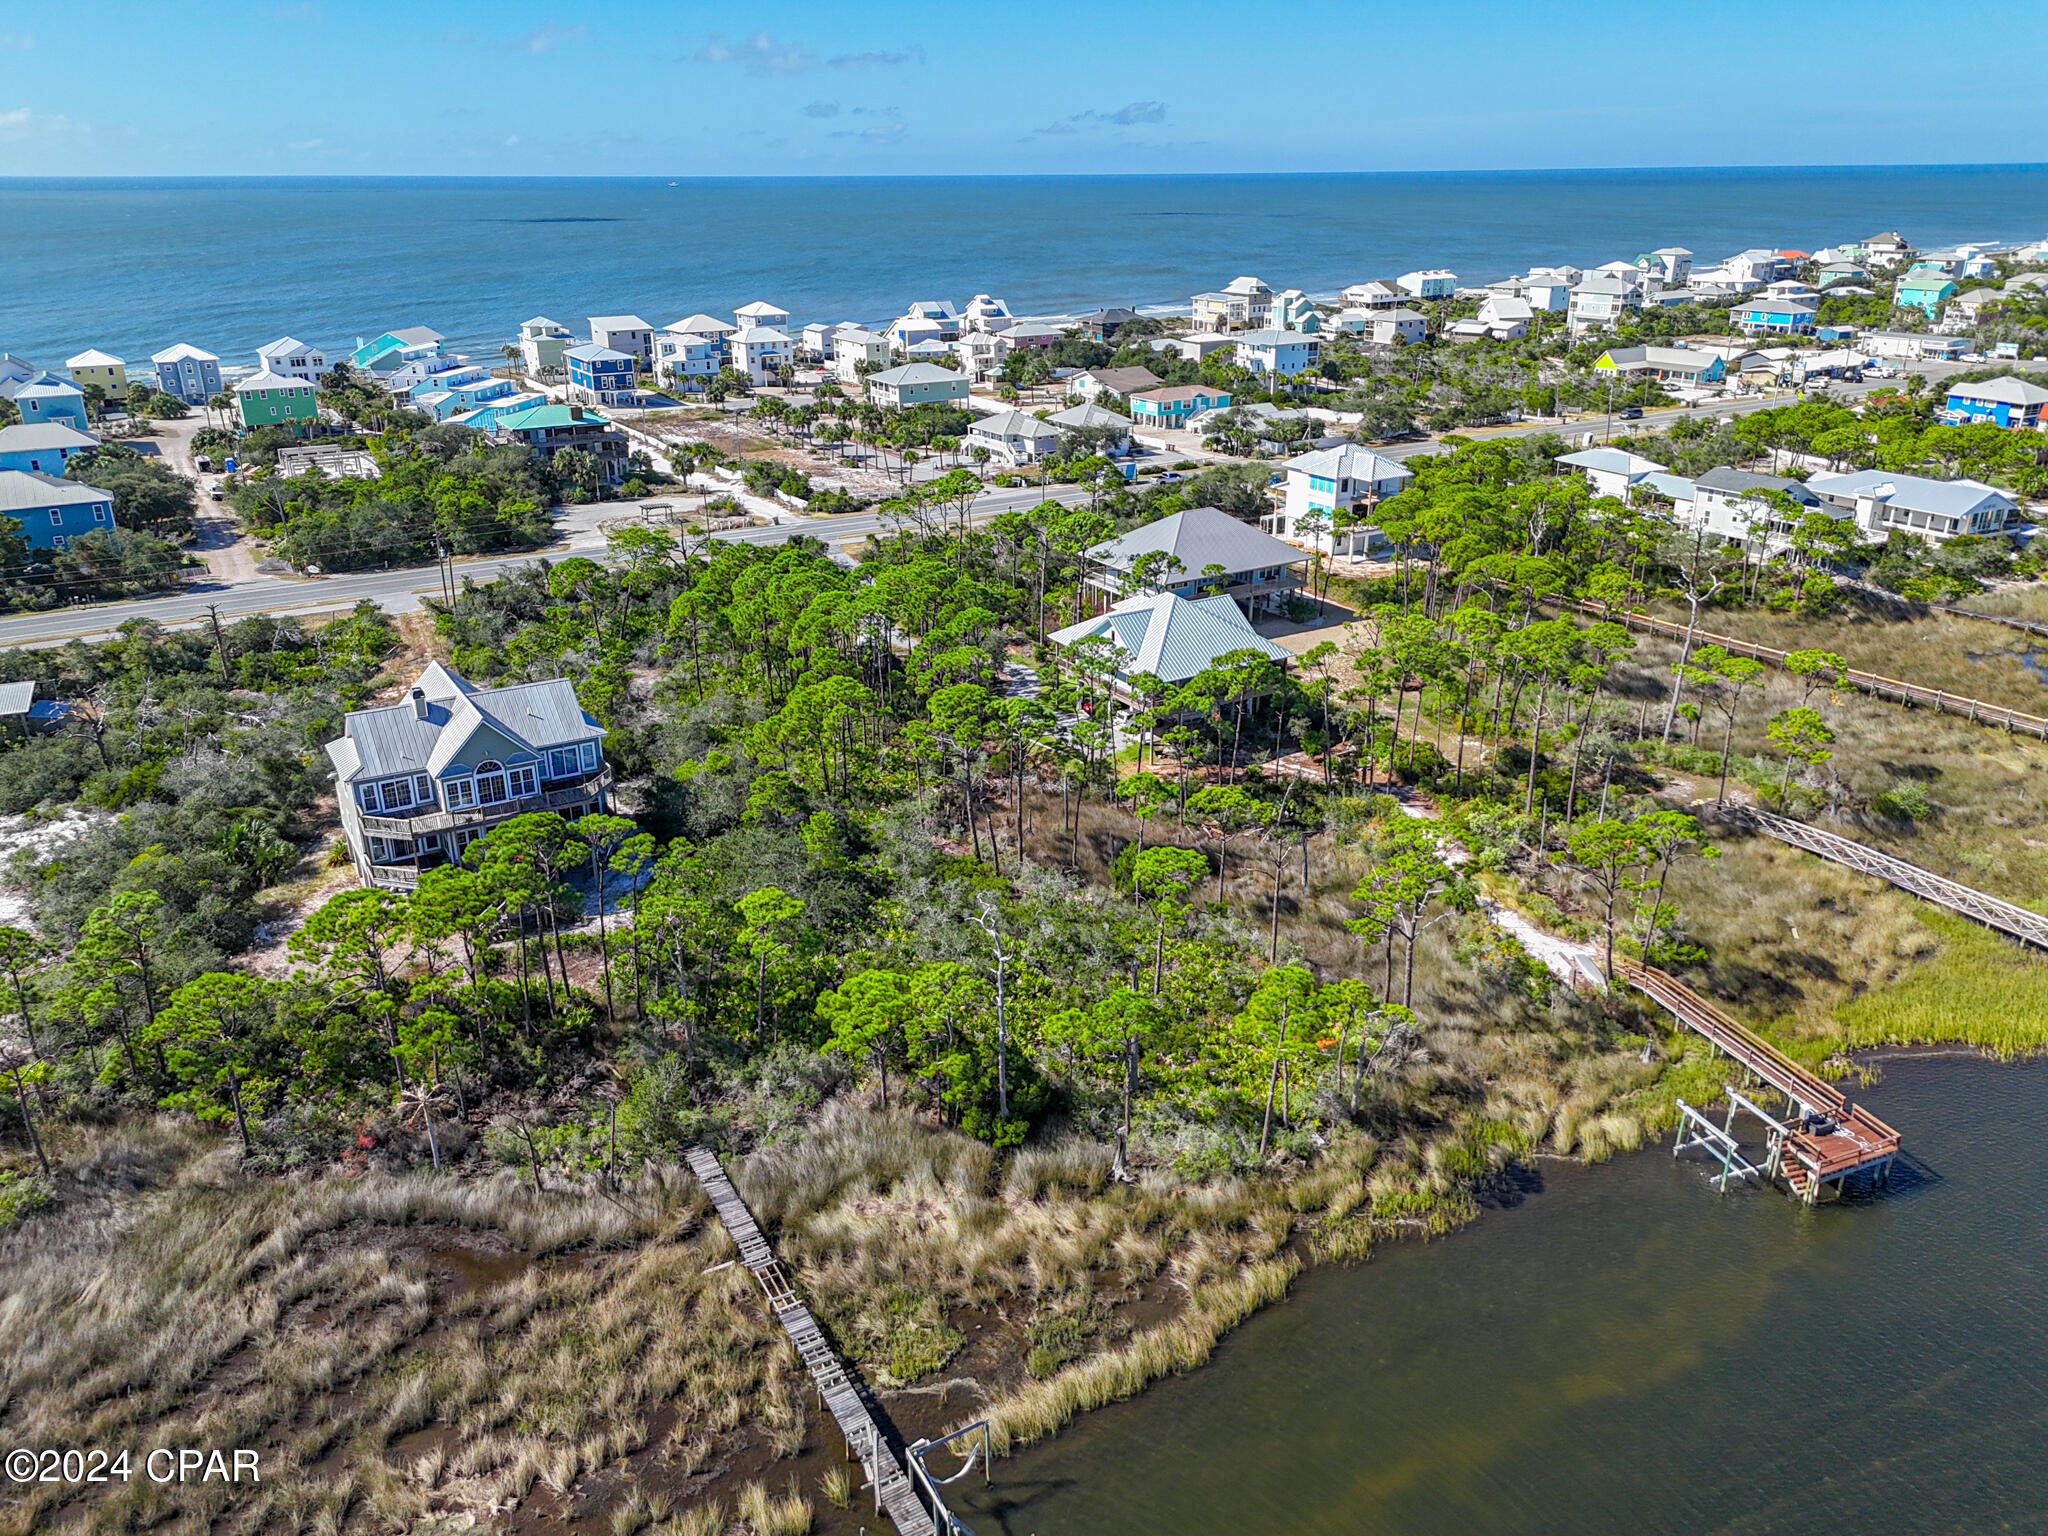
{"type": "Point", "coordinates": [420, 780]}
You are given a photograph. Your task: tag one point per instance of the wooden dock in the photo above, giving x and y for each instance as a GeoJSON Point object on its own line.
{"type": "Point", "coordinates": [2027, 926]}
{"type": "Point", "coordinates": [866, 1428]}
{"type": "Point", "coordinates": [1827, 1141]}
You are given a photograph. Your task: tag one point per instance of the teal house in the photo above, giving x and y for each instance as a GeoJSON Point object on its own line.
{"type": "Point", "coordinates": [394, 349]}
{"type": "Point", "coordinates": [1924, 291]}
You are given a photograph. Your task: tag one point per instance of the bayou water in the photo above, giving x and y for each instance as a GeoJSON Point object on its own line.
{"type": "Point", "coordinates": [1620, 1350]}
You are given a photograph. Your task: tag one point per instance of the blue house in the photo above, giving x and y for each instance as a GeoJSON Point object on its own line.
{"type": "Point", "coordinates": [46, 398]}
{"type": "Point", "coordinates": [600, 376]}
{"type": "Point", "coordinates": [191, 373]}
{"type": "Point", "coordinates": [2006, 402]}
{"type": "Point", "coordinates": [1781, 314]}
{"type": "Point", "coordinates": [43, 449]}
{"type": "Point", "coordinates": [394, 349]}
{"type": "Point", "coordinates": [1924, 291]}
{"type": "Point", "coordinates": [53, 512]}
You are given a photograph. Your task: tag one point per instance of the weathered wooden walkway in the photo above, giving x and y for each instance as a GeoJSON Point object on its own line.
{"type": "Point", "coordinates": [1898, 691]}
{"type": "Point", "coordinates": [1829, 1139]}
{"type": "Point", "coordinates": [2028, 626]}
{"type": "Point", "coordinates": [866, 1429]}
{"type": "Point", "coordinates": [2027, 926]}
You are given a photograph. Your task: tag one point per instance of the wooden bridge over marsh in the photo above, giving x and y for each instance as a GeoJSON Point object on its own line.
{"type": "Point", "coordinates": [1827, 1140]}
{"type": "Point", "coordinates": [866, 1428]}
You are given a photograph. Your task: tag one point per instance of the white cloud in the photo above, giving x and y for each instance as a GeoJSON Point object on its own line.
{"type": "Point", "coordinates": [1126, 116]}
{"type": "Point", "coordinates": [822, 109]}
{"type": "Point", "coordinates": [543, 38]}
{"type": "Point", "coordinates": [25, 123]}
{"type": "Point", "coordinates": [16, 40]}
{"type": "Point", "coordinates": [758, 55]}
{"type": "Point", "coordinates": [511, 140]}
{"type": "Point", "coordinates": [876, 59]}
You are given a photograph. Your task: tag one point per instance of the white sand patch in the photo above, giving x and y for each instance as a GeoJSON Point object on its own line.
{"type": "Point", "coordinates": [44, 834]}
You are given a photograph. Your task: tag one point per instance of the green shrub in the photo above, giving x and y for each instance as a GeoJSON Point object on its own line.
{"type": "Point", "coordinates": [22, 1196]}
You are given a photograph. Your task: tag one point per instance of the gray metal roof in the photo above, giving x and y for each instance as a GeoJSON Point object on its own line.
{"type": "Point", "coordinates": [1199, 538]}
{"type": "Point", "coordinates": [1739, 482]}
{"type": "Point", "coordinates": [1090, 416]}
{"type": "Point", "coordinates": [1271, 338]}
{"type": "Point", "coordinates": [394, 739]}
{"type": "Point", "coordinates": [1916, 493]}
{"type": "Point", "coordinates": [1124, 380]}
{"type": "Point", "coordinates": [1015, 423]}
{"type": "Point", "coordinates": [15, 698]}
{"type": "Point", "coordinates": [27, 437]}
{"type": "Point", "coordinates": [1171, 636]}
{"type": "Point", "coordinates": [2007, 391]}
{"type": "Point", "coordinates": [916, 373]}
{"type": "Point", "coordinates": [23, 490]}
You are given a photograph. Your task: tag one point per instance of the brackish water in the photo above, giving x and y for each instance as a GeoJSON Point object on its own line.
{"type": "Point", "coordinates": [232, 263]}
{"type": "Point", "coordinates": [1623, 1352]}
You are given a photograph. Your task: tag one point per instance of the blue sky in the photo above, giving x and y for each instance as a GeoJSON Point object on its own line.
{"type": "Point", "coordinates": [633, 87]}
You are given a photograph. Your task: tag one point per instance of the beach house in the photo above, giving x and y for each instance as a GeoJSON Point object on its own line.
{"type": "Point", "coordinates": [548, 429]}
{"type": "Point", "coordinates": [97, 367]}
{"type": "Point", "coordinates": [1399, 328]}
{"type": "Point", "coordinates": [542, 342]}
{"type": "Point", "coordinates": [624, 333]}
{"type": "Point", "coordinates": [987, 314]}
{"type": "Point", "coordinates": [917, 384]}
{"type": "Point", "coordinates": [290, 358]}
{"type": "Point", "coordinates": [761, 352]}
{"type": "Point", "coordinates": [1199, 552]}
{"type": "Point", "coordinates": [14, 373]}
{"type": "Point", "coordinates": [1280, 353]}
{"type": "Point", "coordinates": [1602, 301]}
{"type": "Point", "coordinates": [47, 399]}
{"type": "Point", "coordinates": [1171, 405]}
{"type": "Point", "coordinates": [275, 400]}
{"type": "Point", "coordinates": [1329, 497]}
{"type": "Point", "coordinates": [1090, 383]}
{"type": "Point", "coordinates": [1611, 471]}
{"type": "Point", "coordinates": [1013, 437]}
{"type": "Point", "coordinates": [1112, 431]}
{"type": "Point", "coordinates": [1881, 501]}
{"type": "Point", "coordinates": [1671, 263]}
{"type": "Point", "coordinates": [420, 780]}
{"type": "Point", "coordinates": [43, 449]}
{"type": "Point", "coordinates": [2005, 402]}
{"type": "Point", "coordinates": [761, 312]}
{"type": "Point", "coordinates": [1436, 283]}
{"type": "Point", "coordinates": [1244, 303]}
{"type": "Point", "coordinates": [1924, 289]}
{"type": "Point", "coordinates": [688, 358]}
{"type": "Point", "coordinates": [980, 354]}
{"type": "Point", "coordinates": [1371, 295]}
{"type": "Point", "coordinates": [1168, 636]}
{"type": "Point", "coordinates": [1679, 365]}
{"type": "Point", "coordinates": [1782, 314]}
{"type": "Point", "coordinates": [856, 352]}
{"type": "Point", "coordinates": [599, 375]}
{"type": "Point", "coordinates": [52, 511]}
{"type": "Point", "coordinates": [386, 354]}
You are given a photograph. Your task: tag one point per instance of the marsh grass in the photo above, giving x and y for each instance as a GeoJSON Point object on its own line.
{"type": "Point", "coordinates": [1977, 987]}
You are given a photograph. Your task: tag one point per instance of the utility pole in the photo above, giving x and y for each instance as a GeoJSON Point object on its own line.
{"type": "Point", "coordinates": [220, 646]}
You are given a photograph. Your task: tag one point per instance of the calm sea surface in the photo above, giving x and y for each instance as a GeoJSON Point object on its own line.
{"type": "Point", "coordinates": [1625, 1354]}
{"type": "Point", "coordinates": [132, 266]}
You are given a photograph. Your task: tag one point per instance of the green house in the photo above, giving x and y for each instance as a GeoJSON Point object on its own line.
{"type": "Point", "coordinates": [1924, 291]}
{"type": "Point", "coordinates": [273, 400]}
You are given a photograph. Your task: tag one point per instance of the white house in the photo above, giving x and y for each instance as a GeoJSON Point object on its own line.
{"type": "Point", "coordinates": [290, 358]}
{"type": "Point", "coordinates": [1399, 328]}
{"type": "Point", "coordinates": [542, 342]}
{"type": "Point", "coordinates": [1282, 353]}
{"type": "Point", "coordinates": [1727, 501]}
{"type": "Point", "coordinates": [911, 329]}
{"type": "Point", "coordinates": [1673, 263]}
{"type": "Point", "coordinates": [986, 314]}
{"type": "Point", "coordinates": [1881, 501]}
{"type": "Point", "coordinates": [1242, 303]}
{"type": "Point", "coordinates": [683, 356]}
{"type": "Point", "coordinates": [1371, 295]}
{"type": "Point", "coordinates": [1505, 317]}
{"type": "Point", "coordinates": [1090, 383]}
{"type": "Point", "coordinates": [1333, 487]}
{"type": "Point", "coordinates": [1602, 301]}
{"type": "Point", "coordinates": [1095, 418]}
{"type": "Point", "coordinates": [852, 348]}
{"type": "Point", "coordinates": [761, 353]}
{"type": "Point", "coordinates": [1294, 311]}
{"type": "Point", "coordinates": [816, 341]}
{"type": "Point", "coordinates": [624, 333]}
{"type": "Point", "coordinates": [761, 312]}
{"type": "Point", "coordinates": [1194, 346]}
{"type": "Point", "coordinates": [1015, 437]}
{"type": "Point", "coordinates": [941, 312]}
{"type": "Point", "coordinates": [1920, 346]}
{"type": "Point", "coordinates": [1611, 471]}
{"type": "Point", "coordinates": [1436, 283]}
{"type": "Point", "coordinates": [981, 354]}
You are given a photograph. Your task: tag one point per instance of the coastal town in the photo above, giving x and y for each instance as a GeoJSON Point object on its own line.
{"type": "Point", "coordinates": [706, 928]}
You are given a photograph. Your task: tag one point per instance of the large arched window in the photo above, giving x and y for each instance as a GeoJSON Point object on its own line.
{"type": "Point", "coordinates": [490, 783]}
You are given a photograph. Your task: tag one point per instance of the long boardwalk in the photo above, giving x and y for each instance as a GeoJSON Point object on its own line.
{"type": "Point", "coordinates": [2027, 926]}
{"type": "Point", "coordinates": [1829, 1140]}
{"type": "Point", "coordinates": [857, 1417]}
{"type": "Point", "coordinates": [1898, 691]}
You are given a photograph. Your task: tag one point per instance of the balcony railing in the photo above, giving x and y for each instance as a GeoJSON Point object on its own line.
{"type": "Point", "coordinates": [555, 798]}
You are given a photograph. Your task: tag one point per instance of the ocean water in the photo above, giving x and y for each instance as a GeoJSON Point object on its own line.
{"type": "Point", "coordinates": [229, 264]}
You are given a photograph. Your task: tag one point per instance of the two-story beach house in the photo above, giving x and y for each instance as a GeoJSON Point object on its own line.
{"type": "Point", "coordinates": [548, 428]}
{"type": "Point", "coordinates": [1167, 636]}
{"type": "Point", "coordinates": [1436, 283]}
{"type": "Point", "coordinates": [916, 384]}
{"type": "Point", "coordinates": [624, 333]}
{"type": "Point", "coordinates": [2006, 402]}
{"type": "Point", "coordinates": [1244, 303]}
{"type": "Point", "coordinates": [1172, 405]}
{"type": "Point", "coordinates": [761, 312]}
{"type": "Point", "coordinates": [290, 358]}
{"type": "Point", "coordinates": [273, 400]}
{"type": "Point", "coordinates": [600, 376]}
{"type": "Point", "coordinates": [1280, 353]}
{"type": "Point", "coordinates": [542, 342]}
{"type": "Point", "coordinates": [53, 512]}
{"type": "Point", "coordinates": [1329, 499]}
{"type": "Point", "coordinates": [43, 449]}
{"type": "Point", "coordinates": [761, 352]}
{"type": "Point", "coordinates": [386, 354]}
{"type": "Point", "coordinates": [191, 373]}
{"type": "Point", "coordinates": [987, 314]}
{"type": "Point", "coordinates": [97, 367]}
{"type": "Point", "coordinates": [46, 400]}
{"type": "Point", "coordinates": [420, 780]}
{"type": "Point", "coordinates": [1013, 437]}
{"type": "Point", "coordinates": [1924, 289]}
{"type": "Point", "coordinates": [1199, 552]}
{"type": "Point", "coordinates": [1881, 501]}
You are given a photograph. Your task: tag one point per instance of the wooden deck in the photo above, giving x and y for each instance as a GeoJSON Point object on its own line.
{"type": "Point", "coordinates": [867, 1431]}
{"type": "Point", "coordinates": [1828, 1140]}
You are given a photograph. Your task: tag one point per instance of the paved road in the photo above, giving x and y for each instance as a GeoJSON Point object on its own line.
{"type": "Point", "coordinates": [400, 590]}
